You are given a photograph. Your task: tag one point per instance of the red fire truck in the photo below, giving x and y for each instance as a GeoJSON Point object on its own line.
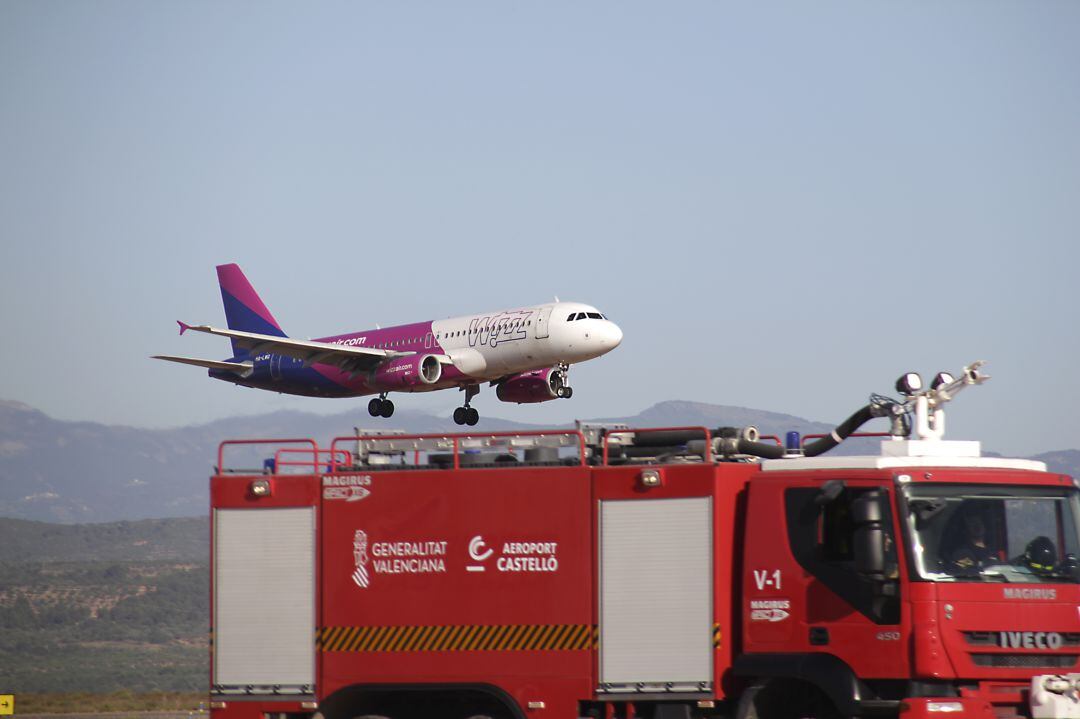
{"type": "Point", "coordinates": [675, 573]}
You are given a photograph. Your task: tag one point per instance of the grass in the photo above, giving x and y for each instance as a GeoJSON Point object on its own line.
{"type": "Point", "coordinates": [123, 701]}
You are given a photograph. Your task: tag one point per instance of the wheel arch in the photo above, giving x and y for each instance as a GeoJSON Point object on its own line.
{"type": "Point", "coordinates": [358, 699]}
{"type": "Point", "coordinates": [830, 674]}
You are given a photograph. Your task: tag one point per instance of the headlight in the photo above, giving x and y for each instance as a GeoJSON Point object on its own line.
{"type": "Point", "coordinates": [944, 707]}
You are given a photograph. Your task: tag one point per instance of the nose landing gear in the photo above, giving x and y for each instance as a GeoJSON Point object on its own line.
{"type": "Point", "coordinates": [466, 414]}
{"type": "Point", "coordinates": [381, 407]}
{"type": "Point", "coordinates": [562, 390]}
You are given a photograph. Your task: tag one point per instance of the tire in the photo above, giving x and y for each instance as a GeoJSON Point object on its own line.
{"type": "Point", "coordinates": [387, 409]}
{"type": "Point", "coordinates": [459, 415]}
{"type": "Point", "coordinates": [374, 407]}
{"type": "Point", "coordinates": [472, 416]}
{"type": "Point", "coordinates": [785, 700]}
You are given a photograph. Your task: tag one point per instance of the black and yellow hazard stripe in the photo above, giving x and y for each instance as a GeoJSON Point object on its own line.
{"type": "Point", "coordinates": [467, 638]}
{"type": "Point", "coordinates": [460, 638]}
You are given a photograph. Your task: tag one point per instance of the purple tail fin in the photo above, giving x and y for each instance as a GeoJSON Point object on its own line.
{"type": "Point", "coordinates": [244, 310]}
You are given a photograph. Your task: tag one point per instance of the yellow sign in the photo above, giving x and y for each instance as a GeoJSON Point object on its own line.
{"type": "Point", "coordinates": [7, 704]}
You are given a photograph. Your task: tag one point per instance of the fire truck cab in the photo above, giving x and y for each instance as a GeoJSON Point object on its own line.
{"type": "Point", "coordinates": [673, 573]}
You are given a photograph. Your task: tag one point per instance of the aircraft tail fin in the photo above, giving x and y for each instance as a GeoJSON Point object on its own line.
{"type": "Point", "coordinates": [244, 310]}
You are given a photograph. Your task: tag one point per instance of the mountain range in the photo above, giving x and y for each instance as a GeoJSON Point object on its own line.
{"type": "Point", "coordinates": [61, 471]}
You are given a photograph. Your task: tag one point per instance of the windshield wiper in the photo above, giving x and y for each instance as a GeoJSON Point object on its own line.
{"type": "Point", "coordinates": [1059, 575]}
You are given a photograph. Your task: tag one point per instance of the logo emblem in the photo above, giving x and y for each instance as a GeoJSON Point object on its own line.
{"type": "Point", "coordinates": [769, 610]}
{"type": "Point", "coordinates": [479, 552]}
{"type": "Point", "coordinates": [349, 487]}
{"type": "Point", "coordinates": [1030, 640]}
{"type": "Point", "coordinates": [360, 558]}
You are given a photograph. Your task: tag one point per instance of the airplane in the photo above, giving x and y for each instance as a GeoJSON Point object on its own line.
{"type": "Point", "coordinates": [525, 352]}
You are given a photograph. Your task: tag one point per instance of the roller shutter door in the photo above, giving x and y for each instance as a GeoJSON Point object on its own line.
{"type": "Point", "coordinates": [656, 600]}
{"type": "Point", "coordinates": [264, 599]}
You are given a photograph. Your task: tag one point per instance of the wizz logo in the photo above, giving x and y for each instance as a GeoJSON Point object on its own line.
{"type": "Point", "coordinates": [503, 327]}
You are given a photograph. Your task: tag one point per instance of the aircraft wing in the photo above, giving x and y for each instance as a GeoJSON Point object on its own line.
{"type": "Point", "coordinates": [348, 357]}
{"type": "Point", "coordinates": [241, 368]}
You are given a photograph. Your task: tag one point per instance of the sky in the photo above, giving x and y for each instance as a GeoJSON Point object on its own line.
{"type": "Point", "coordinates": [784, 205]}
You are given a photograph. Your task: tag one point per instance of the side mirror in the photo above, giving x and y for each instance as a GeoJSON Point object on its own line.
{"type": "Point", "coordinates": [869, 540]}
{"type": "Point", "coordinates": [829, 492]}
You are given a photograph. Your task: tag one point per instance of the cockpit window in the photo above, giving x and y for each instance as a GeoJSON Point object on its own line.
{"type": "Point", "coordinates": [595, 316]}
{"type": "Point", "coordinates": [571, 318]}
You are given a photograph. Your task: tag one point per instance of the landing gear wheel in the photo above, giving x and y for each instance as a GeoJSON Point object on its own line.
{"type": "Point", "coordinates": [471, 416]}
{"type": "Point", "coordinates": [387, 409]}
{"type": "Point", "coordinates": [374, 407]}
{"type": "Point", "coordinates": [568, 392]}
{"type": "Point", "coordinates": [460, 415]}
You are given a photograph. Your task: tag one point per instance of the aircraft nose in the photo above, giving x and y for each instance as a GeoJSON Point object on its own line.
{"type": "Point", "coordinates": [610, 336]}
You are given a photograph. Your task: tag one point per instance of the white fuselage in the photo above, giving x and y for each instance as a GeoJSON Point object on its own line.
{"type": "Point", "coordinates": [493, 345]}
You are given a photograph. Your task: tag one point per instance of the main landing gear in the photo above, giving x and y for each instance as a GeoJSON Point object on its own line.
{"type": "Point", "coordinates": [381, 407]}
{"type": "Point", "coordinates": [466, 414]}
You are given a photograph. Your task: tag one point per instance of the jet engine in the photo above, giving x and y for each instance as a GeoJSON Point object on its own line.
{"type": "Point", "coordinates": [407, 372]}
{"type": "Point", "coordinates": [537, 386]}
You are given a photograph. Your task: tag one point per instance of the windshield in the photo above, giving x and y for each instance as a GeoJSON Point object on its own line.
{"type": "Point", "coordinates": [965, 533]}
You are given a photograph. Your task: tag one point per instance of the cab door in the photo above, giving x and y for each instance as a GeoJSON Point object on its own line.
{"type": "Point", "coordinates": [806, 595]}
{"type": "Point", "coordinates": [851, 615]}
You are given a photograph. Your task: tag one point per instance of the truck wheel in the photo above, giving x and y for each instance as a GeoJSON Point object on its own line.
{"type": "Point", "coordinates": [785, 700]}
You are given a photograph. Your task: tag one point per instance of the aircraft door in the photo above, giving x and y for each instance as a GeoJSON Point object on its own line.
{"type": "Point", "coordinates": [275, 366]}
{"type": "Point", "coordinates": [542, 321]}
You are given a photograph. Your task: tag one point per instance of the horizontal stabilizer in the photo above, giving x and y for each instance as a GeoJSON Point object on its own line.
{"type": "Point", "coordinates": [241, 368]}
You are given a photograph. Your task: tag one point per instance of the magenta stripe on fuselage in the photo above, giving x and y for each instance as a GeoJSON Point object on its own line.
{"type": "Point", "coordinates": [403, 338]}
{"type": "Point", "coordinates": [233, 281]}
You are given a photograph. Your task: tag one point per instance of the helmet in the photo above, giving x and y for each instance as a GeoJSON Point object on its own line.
{"type": "Point", "coordinates": [1041, 555]}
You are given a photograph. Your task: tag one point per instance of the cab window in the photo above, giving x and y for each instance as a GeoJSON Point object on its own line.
{"type": "Point", "coordinates": [820, 533]}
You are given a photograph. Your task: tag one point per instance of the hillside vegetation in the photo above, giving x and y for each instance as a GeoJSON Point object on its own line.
{"type": "Point", "coordinates": [104, 608]}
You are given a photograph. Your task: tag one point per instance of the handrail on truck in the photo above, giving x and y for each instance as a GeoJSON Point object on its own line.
{"type": "Point", "coordinates": [236, 442]}
{"type": "Point", "coordinates": [417, 443]}
{"type": "Point", "coordinates": [330, 454]}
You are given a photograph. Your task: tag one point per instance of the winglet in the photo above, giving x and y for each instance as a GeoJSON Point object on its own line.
{"type": "Point", "coordinates": [183, 326]}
